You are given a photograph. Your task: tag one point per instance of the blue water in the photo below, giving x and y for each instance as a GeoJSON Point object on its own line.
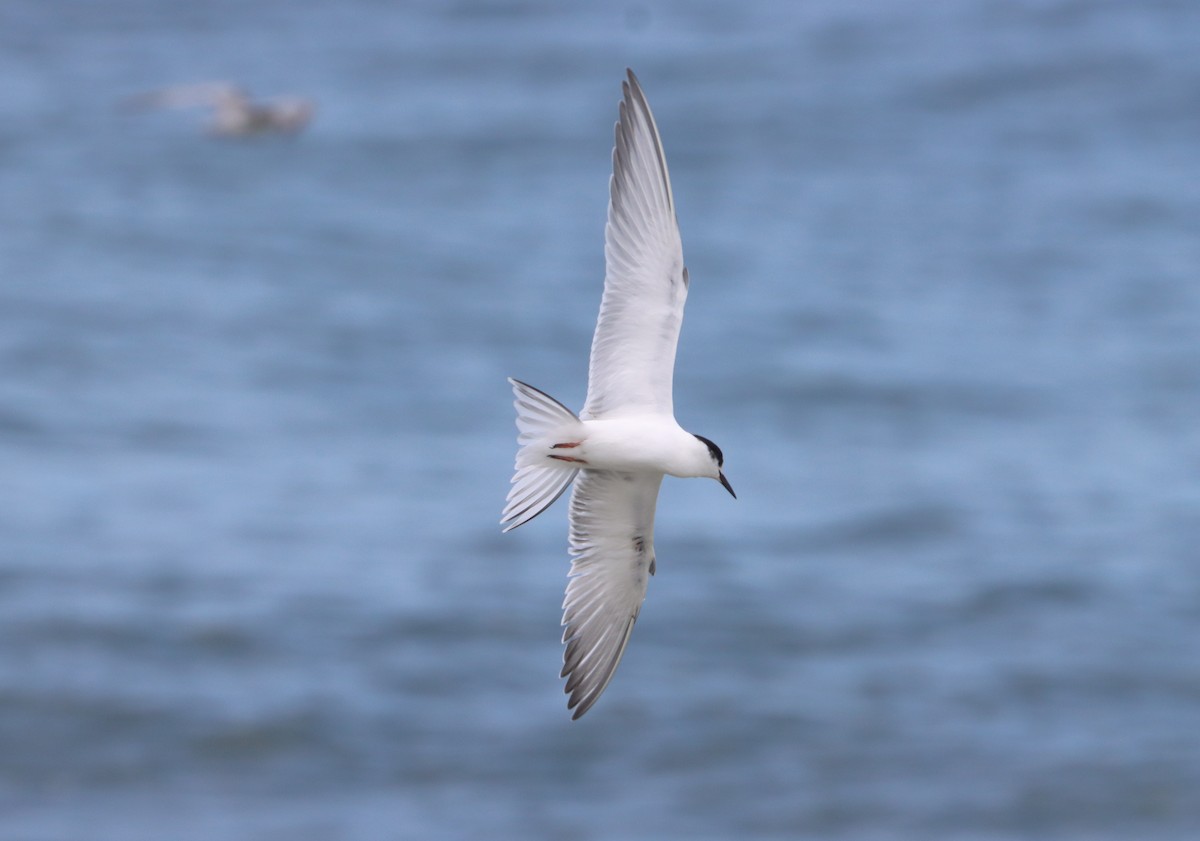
{"type": "Point", "coordinates": [255, 433]}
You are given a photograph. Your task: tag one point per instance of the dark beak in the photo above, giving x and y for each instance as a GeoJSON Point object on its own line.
{"type": "Point", "coordinates": [725, 482]}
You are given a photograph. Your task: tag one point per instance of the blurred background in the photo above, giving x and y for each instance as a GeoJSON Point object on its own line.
{"type": "Point", "coordinates": [255, 434]}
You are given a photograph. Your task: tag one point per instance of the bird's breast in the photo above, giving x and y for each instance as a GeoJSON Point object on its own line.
{"type": "Point", "coordinates": [649, 444]}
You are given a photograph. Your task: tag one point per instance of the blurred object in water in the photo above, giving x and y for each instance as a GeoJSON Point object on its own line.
{"type": "Point", "coordinates": [234, 113]}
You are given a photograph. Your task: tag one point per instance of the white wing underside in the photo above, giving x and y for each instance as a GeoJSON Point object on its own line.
{"type": "Point", "coordinates": [212, 94]}
{"type": "Point", "coordinates": [612, 552]}
{"type": "Point", "coordinates": [645, 283]}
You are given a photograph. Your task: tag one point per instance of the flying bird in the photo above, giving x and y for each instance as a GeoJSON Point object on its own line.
{"type": "Point", "coordinates": [617, 450]}
{"type": "Point", "coordinates": [234, 112]}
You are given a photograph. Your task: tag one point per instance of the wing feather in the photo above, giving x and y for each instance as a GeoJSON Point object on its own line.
{"type": "Point", "coordinates": [645, 283]}
{"type": "Point", "coordinates": [612, 551]}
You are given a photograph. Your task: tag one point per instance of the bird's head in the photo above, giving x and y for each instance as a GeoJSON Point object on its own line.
{"type": "Point", "coordinates": [717, 462]}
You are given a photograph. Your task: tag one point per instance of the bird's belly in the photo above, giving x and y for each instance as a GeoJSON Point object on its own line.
{"type": "Point", "coordinates": [634, 445]}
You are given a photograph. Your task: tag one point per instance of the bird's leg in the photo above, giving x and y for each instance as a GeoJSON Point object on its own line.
{"type": "Point", "coordinates": [569, 445]}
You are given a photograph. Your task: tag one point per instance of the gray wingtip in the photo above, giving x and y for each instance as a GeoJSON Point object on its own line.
{"type": "Point", "coordinates": [585, 684]}
{"type": "Point", "coordinates": [634, 106]}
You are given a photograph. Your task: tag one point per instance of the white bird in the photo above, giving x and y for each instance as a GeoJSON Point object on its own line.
{"type": "Point", "coordinates": [625, 440]}
{"type": "Point", "coordinates": [234, 113]}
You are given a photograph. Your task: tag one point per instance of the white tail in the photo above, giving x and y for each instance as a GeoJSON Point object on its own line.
{"type": "Point", "coordinates": [541, 420]}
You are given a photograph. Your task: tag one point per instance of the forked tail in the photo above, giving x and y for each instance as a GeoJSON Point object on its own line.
{"type": "Point", "coordinates": [539, 480]}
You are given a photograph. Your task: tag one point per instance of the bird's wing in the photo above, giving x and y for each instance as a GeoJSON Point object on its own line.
{"type": "Point", "coordinates": [645, 282]}
{"type": "Point", "coordinates": [612, 552]}
{"type": "Point", "coordinates": [213, 94]}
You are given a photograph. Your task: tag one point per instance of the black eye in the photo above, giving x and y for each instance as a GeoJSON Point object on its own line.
{"type": "Point", "coordinates": [713, 450]}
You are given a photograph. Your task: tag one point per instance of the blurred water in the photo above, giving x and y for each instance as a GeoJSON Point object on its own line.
{"type": "Point", "coordinates": [255, 433]}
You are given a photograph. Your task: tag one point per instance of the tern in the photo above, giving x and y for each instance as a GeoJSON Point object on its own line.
{"type": "Point", "coordinates": [617, 450]}
{"type": "Point", "coordinates": [234, 113]}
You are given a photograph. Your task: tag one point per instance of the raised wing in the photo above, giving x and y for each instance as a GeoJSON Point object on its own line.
{"type": "Point", "coordinates": [211, 94]}
{"type": "Point", "coordinates": [645, 282]}
{"type": "Point", "coordinates": [612, 551]}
